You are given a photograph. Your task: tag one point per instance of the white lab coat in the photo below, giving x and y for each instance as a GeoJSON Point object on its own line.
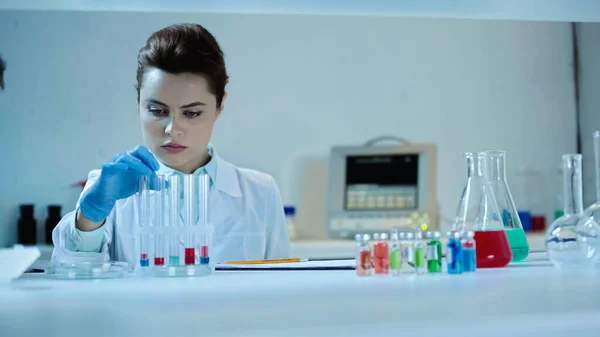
{"type": "Point", "coordinates": [245, 209]}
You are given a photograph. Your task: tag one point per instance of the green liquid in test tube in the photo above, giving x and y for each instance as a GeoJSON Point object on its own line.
{"type": "Point", "coordinates": [434, 253]}
{"type": "Point", "coordinates": [395, 253]}
{"type": "Point", "coordinates": [174, 188]}
{"type": "Point", "coordinates": [420, 267]}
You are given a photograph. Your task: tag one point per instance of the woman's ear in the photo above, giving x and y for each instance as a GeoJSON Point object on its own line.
{"type": "Point", "coordinates": [222, 106]}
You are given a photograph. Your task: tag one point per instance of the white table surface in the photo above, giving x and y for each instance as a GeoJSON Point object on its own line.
{"type": "Point", "coordinates": [527, 299]}
{"type": "Point", "coordinates": [332, 249]}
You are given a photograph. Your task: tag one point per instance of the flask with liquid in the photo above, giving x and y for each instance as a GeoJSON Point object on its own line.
{"type": "Point", "coordinates": [478, 212]}
{"type": "Point", "coordinates": [506, 205]}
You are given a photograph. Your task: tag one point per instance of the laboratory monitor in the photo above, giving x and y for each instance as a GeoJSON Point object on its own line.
{"type": "Point", "coordinates": [375, 188]}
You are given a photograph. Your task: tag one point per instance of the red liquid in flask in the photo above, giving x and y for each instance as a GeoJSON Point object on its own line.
{"type": "Point", "coordinates": [190, 256]}
{"type": "Point", "coordinates": [159, 261]}
{"type": "Point", "coordinates": [493, 249]}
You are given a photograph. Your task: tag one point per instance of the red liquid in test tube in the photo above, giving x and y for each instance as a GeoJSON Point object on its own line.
{"type": "Point", "coordinates": [381, 253]}
{"type": "Point", "coordinates": [190, 256]}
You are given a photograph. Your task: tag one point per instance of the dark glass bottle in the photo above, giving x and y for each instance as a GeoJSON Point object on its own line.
{"type": "Point", "coordinates": [52, 220]}
{"type": "Point", "coordinates": [27, 226]}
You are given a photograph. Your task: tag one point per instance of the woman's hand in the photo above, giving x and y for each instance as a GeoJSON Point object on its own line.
{"type": "Point", "coordinates": [119, 179]}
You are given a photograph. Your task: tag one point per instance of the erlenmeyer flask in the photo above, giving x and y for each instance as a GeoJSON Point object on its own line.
{"type": "Point", "coordinates": [478, 212]}
{"type": "Point", "coordinates": [571, 240]}
{"type": "Point", "coordinates": [506, 205]}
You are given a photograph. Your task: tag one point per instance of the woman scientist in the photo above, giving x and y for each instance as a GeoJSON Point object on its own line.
{"type": "Point", "coordinates": [181, 78]}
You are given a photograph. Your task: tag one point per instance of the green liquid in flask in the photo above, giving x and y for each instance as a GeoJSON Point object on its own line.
{"type": "Point", "coordinates": [518, 244]}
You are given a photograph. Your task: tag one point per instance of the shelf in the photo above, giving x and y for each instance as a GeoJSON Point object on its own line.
{"type": "Point", "coordinates": [531, 10]}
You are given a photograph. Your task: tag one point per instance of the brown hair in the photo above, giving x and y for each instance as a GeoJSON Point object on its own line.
{"type": "Point", "coordinates": [185, 48]}
{"type": "Point", "coordinates": [2, 68]}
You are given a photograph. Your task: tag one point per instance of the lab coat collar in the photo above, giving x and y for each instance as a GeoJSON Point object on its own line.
{"type": "Point", "coordinates": [222, 174]}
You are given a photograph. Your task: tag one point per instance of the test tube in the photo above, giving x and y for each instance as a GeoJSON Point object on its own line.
{"type": "Point", "coordinates": [381, 254]}
{"type": "Point", "coordinates": [364, 266]}
{"type": "Point", "coordinates": [203, 189]}
{"type": "Point", "coordinates": [395, 253]}
{"type": "Point", "coordinates": [144, 209]}
{"type": "Point", "coordinates": [468, 251]}
{"type": "Point", "coordinates": [174, 188]}
{"type": "Point", "coordinates": [158, 209]}
{"type": "Point", "coordinates": [434, 252]}
{"type": "Point", "coordinates": [419, 245]}
{"type": "Point", "coordinates": [454, 256]}
{"type": "Point", "coordinates": [408, 253]}
{"type": "Point", "coordinates": [189, 194]}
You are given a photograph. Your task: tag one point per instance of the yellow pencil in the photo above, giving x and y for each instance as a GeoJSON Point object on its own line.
{"type": "Point", "coordinates": [297, 259]}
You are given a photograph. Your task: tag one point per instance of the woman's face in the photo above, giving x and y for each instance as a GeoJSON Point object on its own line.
{"type": "Point", "coordinates": [177, 113]}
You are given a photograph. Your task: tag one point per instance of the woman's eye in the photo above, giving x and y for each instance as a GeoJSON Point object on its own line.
{"type": "Point", "coordinates": [157, 112]}
{"type": "Point", "coordinates": [192, 114]}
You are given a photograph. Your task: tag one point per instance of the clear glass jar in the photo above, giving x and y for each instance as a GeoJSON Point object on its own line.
{"type": "Point", "coordinates": [571, 241]}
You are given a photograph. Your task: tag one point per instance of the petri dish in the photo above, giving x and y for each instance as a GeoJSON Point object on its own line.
{"type": "Point", "coordinates": [88, 270]}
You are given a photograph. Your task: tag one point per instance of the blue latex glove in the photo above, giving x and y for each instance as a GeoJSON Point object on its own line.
{"type": "Point", "coordinates": [119, 179]}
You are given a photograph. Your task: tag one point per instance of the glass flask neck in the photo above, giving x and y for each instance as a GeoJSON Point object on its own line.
{"type": "Point", "coordinates": [477, 209]}
{"type": "Point", "coordinates": [470, 165]}
{"type": "Point", "coordinates": [597, 162]}
{"type": "Point", "coordinates": [572, 184]}
{"type": "Point", "coordinates": [497, 166]}
{"type": "Point", "coordinates": [476, 165]}
{"type": "Point", "coordinates": [480, 165]}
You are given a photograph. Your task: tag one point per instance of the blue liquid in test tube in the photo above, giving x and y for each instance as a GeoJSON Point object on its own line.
{"type": "Point", "coordinates": [454, 256]}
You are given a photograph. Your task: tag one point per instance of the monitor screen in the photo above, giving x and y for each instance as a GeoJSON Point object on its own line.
{"type": "Point", "coordinates": [382, 182]}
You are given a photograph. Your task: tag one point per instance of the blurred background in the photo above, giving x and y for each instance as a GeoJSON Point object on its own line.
{"type": "Point", "coordinates": [305, 78]}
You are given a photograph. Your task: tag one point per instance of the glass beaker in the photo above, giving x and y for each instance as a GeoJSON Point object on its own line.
{"type": "Point", "coordinates": [569, 243]}
{"type": "Point", "coordinates": [506, 205]}
{"type": "Point", "coordinates": [478, 212]}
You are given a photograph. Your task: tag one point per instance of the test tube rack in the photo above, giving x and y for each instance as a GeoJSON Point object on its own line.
{"type": "Point", "coordinates": [173, 228]}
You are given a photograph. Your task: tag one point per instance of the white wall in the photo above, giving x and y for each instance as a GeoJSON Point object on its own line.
{"type": "Point", "coordinates": [299, 84]}
{"type": "Point", "coordinates": [589, 102]}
